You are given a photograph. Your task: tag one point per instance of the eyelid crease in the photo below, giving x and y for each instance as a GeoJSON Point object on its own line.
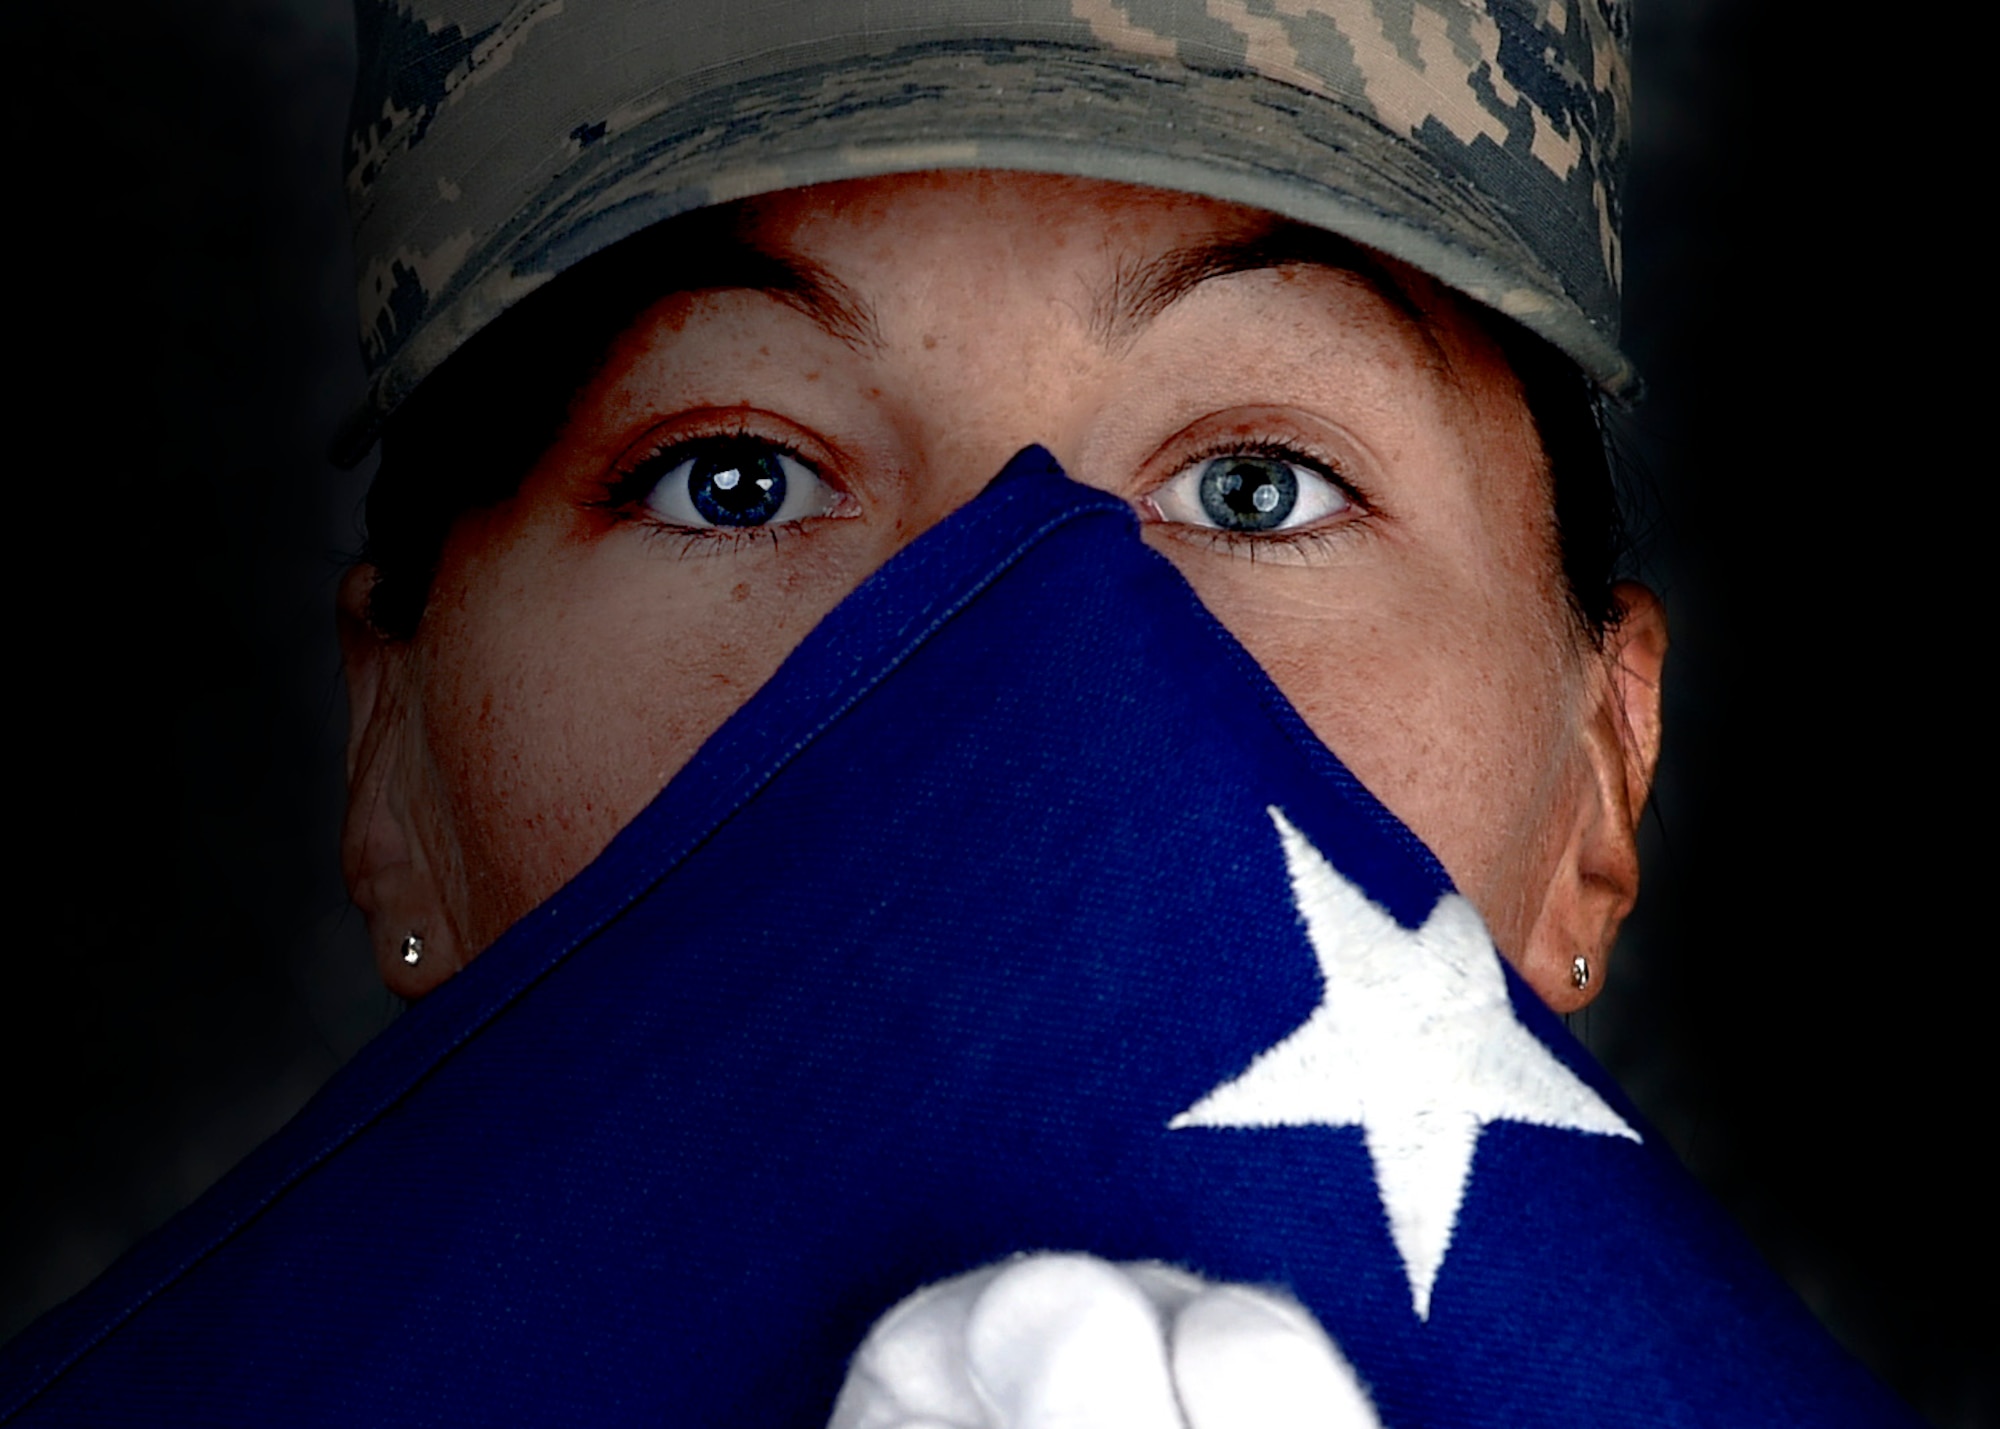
{"type": "Point", "coordinates": [634, 478]}
{"type": "Point", "coordinates": [1273, 448]}
{"type": "Point", "coordinates": [1298, 544]}
{"type": "Point", "coordinates": [645, 460]}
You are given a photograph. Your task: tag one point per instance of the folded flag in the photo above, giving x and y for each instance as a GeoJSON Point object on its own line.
{"type": "Point", "coordinates": [1018, 912]}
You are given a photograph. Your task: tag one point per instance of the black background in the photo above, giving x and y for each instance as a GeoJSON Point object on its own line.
{"type": "Point", "coordinates": [1799, 1002]}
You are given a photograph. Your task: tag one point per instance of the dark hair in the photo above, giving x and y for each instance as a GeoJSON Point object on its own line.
{"type": "Point", "coordinates": [468, 437]}
{"type": "Point", "coordinates": [1568, 410]}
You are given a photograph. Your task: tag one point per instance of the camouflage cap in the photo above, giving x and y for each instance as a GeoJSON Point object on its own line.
{"type": "Point", "coordinates": [497, 142]}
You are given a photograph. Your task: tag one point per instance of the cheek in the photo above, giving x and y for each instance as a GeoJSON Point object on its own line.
{"type": "Point", "coordinates": [1454, 710]}
{"type": "Point", "coordinates": [564, 687]}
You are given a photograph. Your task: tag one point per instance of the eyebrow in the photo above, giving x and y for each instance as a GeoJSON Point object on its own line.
{"type": "Point", "coordinates": [732, 260]}
{"type": "Point", "coordinates": [715, 252]}
{"type": "Point", "coordinates": [1138, 293]}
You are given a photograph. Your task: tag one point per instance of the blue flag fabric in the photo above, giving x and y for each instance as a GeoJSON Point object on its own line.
{"type": "Point", "coordinates": [1008, 916]}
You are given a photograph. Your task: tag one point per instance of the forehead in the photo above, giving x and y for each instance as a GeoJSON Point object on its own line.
{"type": "Point", "coordinates": [1100, 305]}
{"type": "Point", "coordinates": [1129, 251]}
{"type": "Point", "coordinates": [977, 205]}
{"type": "Point", "coordinates": [1121, 272]}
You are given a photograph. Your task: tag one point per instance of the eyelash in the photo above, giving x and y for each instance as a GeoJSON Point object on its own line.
{"type": "Point", "coordinates": [1309, 539]}
{"type": "Point", "coordinates": [636, 472]}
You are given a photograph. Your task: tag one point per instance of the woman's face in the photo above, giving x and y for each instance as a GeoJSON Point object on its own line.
{"type": "Point", "coordinates": [1338, 461]}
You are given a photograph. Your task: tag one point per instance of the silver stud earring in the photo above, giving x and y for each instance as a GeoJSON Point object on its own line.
{"type": "Point", "coordinates": [413, 950]}
{"type": "Point", "coordinates": [1579, 973]}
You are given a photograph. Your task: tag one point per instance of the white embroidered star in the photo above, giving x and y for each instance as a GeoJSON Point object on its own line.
{"type": "Point", "coordinates": [1414, 1042]}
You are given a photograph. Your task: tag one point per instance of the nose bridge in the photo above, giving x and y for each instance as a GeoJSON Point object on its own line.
{"type": "Point", "coordinates": [990, 378]}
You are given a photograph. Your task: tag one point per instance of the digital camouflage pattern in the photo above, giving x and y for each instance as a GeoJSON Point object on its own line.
{"type": "Point", "coordinates": [497, 142]}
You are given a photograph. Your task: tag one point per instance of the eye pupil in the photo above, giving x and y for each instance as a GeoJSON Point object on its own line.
{"type": "Point", "coordinates": [740, 484]}
{"type": "Point", "coordinates": [1248, 493]}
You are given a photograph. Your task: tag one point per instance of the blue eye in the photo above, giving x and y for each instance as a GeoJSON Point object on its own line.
{"type": "Point", "coordinates": [735, 482]}
{"type": "Point", "coordinates": [1250, 493]}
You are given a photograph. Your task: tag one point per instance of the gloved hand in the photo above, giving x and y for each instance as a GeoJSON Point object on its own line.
{"type": "Point", "coordinates": [1046, 1340]}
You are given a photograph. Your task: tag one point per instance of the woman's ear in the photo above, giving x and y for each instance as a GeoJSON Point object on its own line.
{"type": "Point", "coordinates": [1597, 878]}
{"type": "Point", "coordinates": [389, 869]}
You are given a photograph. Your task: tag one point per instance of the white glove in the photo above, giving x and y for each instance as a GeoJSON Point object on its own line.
{"type": "Point", "coordinates": [1048, 1340]}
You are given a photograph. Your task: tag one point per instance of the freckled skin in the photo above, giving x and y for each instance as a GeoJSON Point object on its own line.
{"type": "Point", "coordinates": [572, 658]}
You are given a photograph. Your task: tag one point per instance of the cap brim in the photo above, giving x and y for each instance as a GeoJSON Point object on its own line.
{"type": "Point", "coordinates": [1047, 108]}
